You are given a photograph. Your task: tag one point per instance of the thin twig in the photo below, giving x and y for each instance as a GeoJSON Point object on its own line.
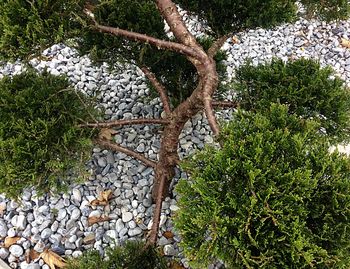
{"type": "Point", "coordinates": [115, 147]}
{"type": "Point", "coordinates": [123, 122]}
{"type": "Point", "coordinates": [159, 87]}
{"type": "Point", "coordinates": [224, 104]}
{"type": "Point", "coordinates": [213, 50]}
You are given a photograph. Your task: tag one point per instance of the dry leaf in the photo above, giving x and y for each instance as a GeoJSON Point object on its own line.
{"type": "Point", "coordinates": [2, 209]}
{"type": "Point", "coordinates": [345, 42]}
{"type": "Point", "coordinates": [168, 234]}
{"type": "Point", "coordinates": [93, 220]}
{"type": "Point", "coordinates": [175, 265]}
{"type": "Point", "coordinates": [52, 259]}
{"type": "Point", "coordinates": [235, 40]}
{"type": "Point", "coordinates": [31, 255]}
{"type": "Point", "coordinates": [9, 241]}
{"type": "Point", "coordinates": [107, 133]}
{"type": "Point", "coordinates": [103, 198]}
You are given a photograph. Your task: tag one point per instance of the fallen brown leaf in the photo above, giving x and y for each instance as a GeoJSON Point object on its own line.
{"type": "Point", "coordinates": [31, 255]}
{"type": "Point", "coordinates": [52, 259]}
{"type": "Point", "coordinates": [103, 198]}
{"type": "Point", "coordinates": [93, 220]}
{"type": "Point", "coordinates": [168, 234]}
{"type": "Point", "coordinates": [235, 40]}
{"type": "Point", "coordinates": [345, 42]}
{"type": "Point", "coordinates": [9, 241]}
{"type": "Point", "coordinates": [107, 133]}
{"type": "Point", "coordinates": [176, 265]}
{"type": "Point", "coordinates": [2, 209]}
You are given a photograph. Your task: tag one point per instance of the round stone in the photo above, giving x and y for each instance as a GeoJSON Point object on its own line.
{"type": "Point", "coordinates": [16, 250]}
{"type": "Point", "coordinates": [127, 216]}
{"type": "Point", "coordinates": [169, 250]}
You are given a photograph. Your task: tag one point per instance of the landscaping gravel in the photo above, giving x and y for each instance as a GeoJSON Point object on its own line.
{"type": "Point", "coordinates": [60, 221]}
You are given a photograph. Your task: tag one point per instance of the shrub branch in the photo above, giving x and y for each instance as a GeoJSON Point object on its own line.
{"type": "Point", "coordinates": [115, 147]}
{"type": "Point", "coordinates": [159, 87]}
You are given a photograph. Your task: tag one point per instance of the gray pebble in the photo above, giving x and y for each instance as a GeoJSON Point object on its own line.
{"type": "Point", "coordinates": [16, 250]}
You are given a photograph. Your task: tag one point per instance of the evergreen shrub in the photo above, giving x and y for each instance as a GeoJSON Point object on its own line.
{"type": "Point", "coordinates": [309, 91]}
{"type": "Point", "coordinates": [271, 197]}
{"type": "Point", "coordinates": [132, 255]}
{"type": "Point", "coordinates": [40, 142]}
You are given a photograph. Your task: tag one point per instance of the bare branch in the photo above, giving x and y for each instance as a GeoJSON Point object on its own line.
{"type": "Point", "coordinates": [224, 104]}
{"type": "Point", "coordinates": [123, 122]}
{"type": "Point", "coordinates": [159, 87]}
{"type": "Point", "coordinates": [218, 44]}
{"type": "Point", "coordinates": [157, 211]}
{"type": "Point", "coordinates": [159, 43]}
{"type": "Point", "coordinates": [115, 147]}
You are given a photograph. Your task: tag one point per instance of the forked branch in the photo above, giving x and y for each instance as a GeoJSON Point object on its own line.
{"type": "Point", "coordinates": [159, 87]}
{"type": "Point", "coordinates": [115, 147]}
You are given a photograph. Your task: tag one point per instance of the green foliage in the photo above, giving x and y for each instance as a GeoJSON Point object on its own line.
{"type": "Point", "coordinates": [247, 14]}
{"type": "Point", "coordinates": [327, 10]}
{"type": "Point", "coordinates": [307, 89]}
{"type": "Point", "coordinates": [240, 15]}
{"type": "Point", "coordinates": [28, 27]}
{"type": "Point", "coordinates": [271, 197]}
{"type": "Point", "coordinates": [133, 255]}
{"type": "Point", "coordinates": [39, 139]}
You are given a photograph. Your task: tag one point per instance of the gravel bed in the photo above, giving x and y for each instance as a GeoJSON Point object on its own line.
{"type": "Point", "coordinates": [60, 222]}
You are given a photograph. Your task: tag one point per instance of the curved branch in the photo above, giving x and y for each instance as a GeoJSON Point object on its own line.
{"type": "Point", "coordinates": [123, 122]}
{"type": "Point", "coordinates": [209, 112]}
{"type": "Point", "coordinates": [159, 87]}
{"type": "Point", "coordinates": [218, 44]}
{"type": "Point", "coordinates": [115, 147]}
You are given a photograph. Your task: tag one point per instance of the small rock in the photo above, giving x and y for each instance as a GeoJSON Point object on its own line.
{"type": "Point", "coordinates": [33, 266]}
{"type": "Point", "coordinates": [39, 247]}
{"type": "Point", "coordinates": [16, 250]}
{"type": "Point", "coordinates": [3, 229]}
{"type": "Point", "coordinates": [4, 253]}
{"type": "Point", "coordinates": [62, 213]}
{"type": "Point", "coordinates": [89, 239]}
{"type": "Point", "coordinates": [46, 233]}
{"type": "Point", "coordinates": [119, 225]}
{"type": "Point", "coordinates": [76, 195]}
{"type": "Point", "coordinates": [75, 214]}
{"type": "Point", "coordinates": [127, 216]}
{"type": "Point", "coordinates": [134, 232]}
{"type": "Point", "coordinates": [169, 250]}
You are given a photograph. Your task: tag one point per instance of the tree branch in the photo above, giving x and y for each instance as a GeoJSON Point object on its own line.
{"type": "Point", "coordinates": [218, 44]}
{"type": "Point", "coordinates": [115, 147]}
{"type": "Point", "coordinates": [173, 18]}
{"type": "Point", "coordinates": [157, 212]}
{"type": "Point", "coordinates": [159, 43]}
{"type": "Point", "coordinates": [123, 122]}
{"type": "Point", "coordinates": [224, 104]}
{"type": "Point", "coordinates": [159, 87]}
{"type": "Point", "coordinates": [209, 112]}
